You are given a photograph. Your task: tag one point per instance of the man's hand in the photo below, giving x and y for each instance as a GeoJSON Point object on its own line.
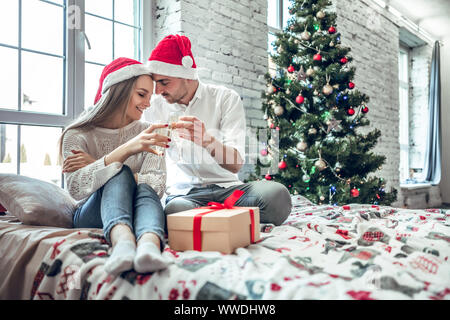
{"type": "Point", "coordinates": [191, 128]}
{"type": "Point", "coordinates": [78, 160]}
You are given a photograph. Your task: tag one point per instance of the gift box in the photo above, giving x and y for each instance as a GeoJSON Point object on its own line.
{"type": "Point", "coordinates": [218, 227]}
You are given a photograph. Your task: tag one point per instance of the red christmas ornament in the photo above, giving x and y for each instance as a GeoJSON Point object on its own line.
{"type": "Point", "coordinates": [277, 128]}
{"type": "Point", "coordinates": [344, 60]}
{"type": "Point", "coordinates": [365, 109]}
{"type": "Point", "coordinates": [275, 89]}
{"type": "Point", "coordinates": [264, 152]}
{"type": "Point", "coordinates": [291, 68]}
{"type": "Point", "coordinates": [331, 30]}
{"type": "Point", "coordinates": [282, 165]}
{"type": "Point", "coordinates": [354, 193]}
{"type": "Point", "coordinates": [268, 177]}
{"type": "Point", "coordinates": [272, 126]}
{"type": "Point", "coordinates": [317, 57]}
{"type": "Point", "coordinates": [299, 99]}
{"type": "Point", "coordinates": [351, 85]}
{"type": "Point", "coordinates": [351, 111]}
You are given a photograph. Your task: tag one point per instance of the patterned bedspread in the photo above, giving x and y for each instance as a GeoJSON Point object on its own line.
{"type": "Point", "coordinates": [320, 252]}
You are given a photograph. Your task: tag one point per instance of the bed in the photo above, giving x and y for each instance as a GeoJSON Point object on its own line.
{"type": "Point", "coordinates": [356, 251]}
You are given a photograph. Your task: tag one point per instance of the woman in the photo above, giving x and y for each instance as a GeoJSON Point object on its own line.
{"type": "Point", "coordinates": [110, 162]}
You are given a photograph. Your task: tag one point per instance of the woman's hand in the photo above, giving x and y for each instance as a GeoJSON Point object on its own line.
{"type": "Point", "coordinates": [78, 160]}
{"type": "Point", "coordinates": [144, 142]}
{"type": "Point", "coordinates": [147, 139]}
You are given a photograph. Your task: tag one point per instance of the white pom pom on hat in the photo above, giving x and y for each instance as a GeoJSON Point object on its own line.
{"type": "Point", "coordinates": [173, 57]}
{"type": "Point", "coordinates": [187, 62]}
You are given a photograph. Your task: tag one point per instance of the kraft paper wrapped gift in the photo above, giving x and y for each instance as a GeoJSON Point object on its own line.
{"type": "Point", "coordinates": [218, 227]}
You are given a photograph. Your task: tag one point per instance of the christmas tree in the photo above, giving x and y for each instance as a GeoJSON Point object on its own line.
{"type": "Point", "coordinates": [315, 114]}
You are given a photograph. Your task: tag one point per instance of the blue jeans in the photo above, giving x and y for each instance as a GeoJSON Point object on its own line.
{"type": "Point", "coordinates": [272, 198]}
{"type": "Point", "coordinates": [122, 201]}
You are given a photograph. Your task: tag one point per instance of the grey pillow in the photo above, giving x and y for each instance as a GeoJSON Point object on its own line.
{"type": "Point", "coordinates": [36, 202]}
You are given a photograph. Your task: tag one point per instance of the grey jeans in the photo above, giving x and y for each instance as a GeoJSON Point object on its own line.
{"type": "Point", "coordinates": [272, 198]}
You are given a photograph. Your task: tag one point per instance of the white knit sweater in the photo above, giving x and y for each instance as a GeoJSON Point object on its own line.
{"type": "Point", "coordinates": [99, 142]}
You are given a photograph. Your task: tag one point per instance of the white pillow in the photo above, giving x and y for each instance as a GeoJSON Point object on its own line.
{"type": "Point", "coordinates": [36, 202]}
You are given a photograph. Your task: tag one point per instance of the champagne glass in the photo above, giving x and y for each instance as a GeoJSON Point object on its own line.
{"type": "Point", "coordinates": [173, 134]}
{"type": "Point", "coordinates": [161, 150]}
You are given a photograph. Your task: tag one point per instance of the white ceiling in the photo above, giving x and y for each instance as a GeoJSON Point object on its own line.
{"type": "Point", "coordinates": [433, 16]}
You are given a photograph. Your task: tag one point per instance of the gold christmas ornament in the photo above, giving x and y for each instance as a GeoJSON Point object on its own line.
{"type": "Point", "coordinates": [320, 14]}
{"type": "Point", "coordinates": [305, 35]}
{"type": "Point", "coordinates": [310, 72]}
{"type": "Point", "coordinates": [327, 89]}
{"type": "Point", "coordinates": [278, 110]}
{"type": "Point", "coordinates": [320, 165]}
{"type": "Point", "coordinates": [302, 146]}
{"type": "Point", "coordinates": [312, 131]}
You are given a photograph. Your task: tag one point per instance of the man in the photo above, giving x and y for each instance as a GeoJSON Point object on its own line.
{"type": "Point", "coordinates": [203, 165]}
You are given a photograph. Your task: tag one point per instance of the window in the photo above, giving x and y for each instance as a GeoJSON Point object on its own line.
{"type": "Point", "coordinates": [403, 65]}
{"type": "Point", "coordinates": [47, 75]}
{"type": "Point", "coordinates": [277, 19]}
{"type": "Point", "coordinates": [113, 30]}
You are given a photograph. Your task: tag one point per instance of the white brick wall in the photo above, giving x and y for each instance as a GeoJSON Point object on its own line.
{"type": "Point", "coordinates": [374, 43]}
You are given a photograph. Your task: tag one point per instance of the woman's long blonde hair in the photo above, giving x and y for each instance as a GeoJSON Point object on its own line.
{"type": "Point", "coordinates": [116, 101]}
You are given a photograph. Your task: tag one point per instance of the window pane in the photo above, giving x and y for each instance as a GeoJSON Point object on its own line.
{"type": "Point", "coordinates": [8, 148]}
{"type": "Point", "coordinates": [91, 83]}
{"type": "Point", "coordinates": [271, 40]}
{"type": "Point", "coordinates": [99, 32]}
{"type": "Point", "coordinates": [272, 14]}
{"type": "Point", "coordinates": [9, 20]}
{"type": "Point", "coordinates": [42, 27]}
{"type": "Point", "coordinates": [39, 153]}
{"type": "Point", "coordinates": [127, 11]}
{"type": "Point", "coordinates": [42, 83]}
{"type": "Point", "coordinates": [126, 40]}
{"type": "Point", "coordinates": [286, 14]}
{"type": "Point", "coordinates": [8, 78]}
{"type": "Point", "coordinates": [101, 8]}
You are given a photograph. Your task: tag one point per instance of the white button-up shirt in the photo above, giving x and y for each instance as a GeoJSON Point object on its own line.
{"type": "Point", "coordinates": [190, 165]}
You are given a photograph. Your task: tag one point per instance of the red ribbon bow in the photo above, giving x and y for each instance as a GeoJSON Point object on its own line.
{"type": "Point", "coordinates": [216, 206]}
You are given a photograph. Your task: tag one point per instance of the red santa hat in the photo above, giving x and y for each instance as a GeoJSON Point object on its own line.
{"type": "Point", "coordinates": [173, 57]}
{"type": "Point", "coordinates": [119, 70]}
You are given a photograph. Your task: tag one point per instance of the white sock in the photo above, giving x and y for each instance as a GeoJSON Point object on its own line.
{"type": "Point", "coordinates": [121, 258]}
{"type": "Point", "coordinates": [149, 258]}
